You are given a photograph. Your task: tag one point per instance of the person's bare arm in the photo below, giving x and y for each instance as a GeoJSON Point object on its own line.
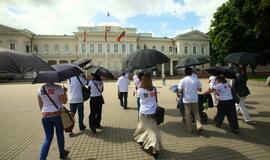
{"type": "Point", "coordinates": [40, 103]}
{"type": "Point", "coordinates": [208, 91]}
{"type": "Point", "coordinates": [63, 98]}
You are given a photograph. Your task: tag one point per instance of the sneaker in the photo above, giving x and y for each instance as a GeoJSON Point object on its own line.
{"type": "Point", "coordinates": [64, 154]}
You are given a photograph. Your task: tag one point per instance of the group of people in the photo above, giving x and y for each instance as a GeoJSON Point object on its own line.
{"type": "Point", "coordinates": [51, 98]}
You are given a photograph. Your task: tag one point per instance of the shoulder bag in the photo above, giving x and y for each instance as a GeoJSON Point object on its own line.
{"type": "Point", "coordinates": [85, 91]}
{"type": "Point", "coordinates": [102, 99]}
{"type": "Point", "coordinates": [160, 111]}
{"type": "Point", "coordinates": [67, 120]}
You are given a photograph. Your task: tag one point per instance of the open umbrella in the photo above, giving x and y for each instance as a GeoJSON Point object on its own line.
{"type": "Point", "coordinates": [61, 72]}
{"type": "Point", "coordinates": [216, 70]}
{"type": "Point", "coordinates": [192, 61]}
{"type": "Point", "coordinates": [100, 71]}
{"type": "Point", "coordinates": [11, 62]}
{"type": "Point", "coordinates": [145, 58]}
{"type": "Point", "coordinates": [82, 62]}
{"type": "Point", "coordinates": [244, 58]}
{"type": "Point", "coordinates": [174, 88]}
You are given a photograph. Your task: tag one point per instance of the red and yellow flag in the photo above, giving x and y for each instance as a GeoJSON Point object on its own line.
{"type": "Point", "coordinates": [123, 34]}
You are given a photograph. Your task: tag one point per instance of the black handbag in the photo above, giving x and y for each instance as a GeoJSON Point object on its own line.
{"type": "Point", "coordinates": [102, 99]}
{"type": "Point", "coordinates": [160, 112]}
{"type": "Point", "coordinates": [85, 91]}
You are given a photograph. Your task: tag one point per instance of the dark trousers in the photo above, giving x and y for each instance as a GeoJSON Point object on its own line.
{"type": "Point", "coordinates": [123, 98]}
{"type": "Point", "coordinates": [78, 106]}
{"type": "Point", "coordinates": [95, 112]}
{"type": "Point", "coordinates": [227, 108]}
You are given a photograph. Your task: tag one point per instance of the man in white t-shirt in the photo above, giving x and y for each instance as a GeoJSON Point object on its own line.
{"type": "Point", "coordinates": [122, 84]}
{"type": "Point", "coordinates": [189, 87]}
{"type": "Point", "coordinates": [212, 83]}
{"type": "Point", "coordinates": [76, 98]}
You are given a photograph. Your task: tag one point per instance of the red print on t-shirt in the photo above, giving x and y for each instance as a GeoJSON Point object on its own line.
{"type": "Point", "coordinates": [152, 94]}
{"type": "Point", "coordinates": [50, 91]}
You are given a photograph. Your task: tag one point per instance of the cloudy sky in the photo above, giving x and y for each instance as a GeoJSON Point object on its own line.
{"type": "Point", "coordinates": [160, 17]}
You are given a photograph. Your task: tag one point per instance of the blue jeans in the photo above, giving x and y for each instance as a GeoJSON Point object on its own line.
{"type": "Point", "coordinates": [78, 106]}
{"type": "Point", "coordinates": [48, 124]}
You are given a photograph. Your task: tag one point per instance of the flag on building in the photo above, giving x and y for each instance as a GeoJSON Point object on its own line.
{"type": "Point", "coordinates": [107, 29]}
{"type": "Point", "coordinates": [84, 36]}
{"type": "Point", "coordinates": [123, 34]}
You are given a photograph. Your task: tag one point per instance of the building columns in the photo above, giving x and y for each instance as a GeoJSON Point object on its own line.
{"type": "Point", "coordinates": [171, 68]}
{"type": "Point", "coordinates": [162, 69]}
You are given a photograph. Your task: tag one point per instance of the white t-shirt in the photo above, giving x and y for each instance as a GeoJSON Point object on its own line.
{"type": "Point", "coordinates": [147, 101]}
{"type": "Point", "coordinates": [54, 91]}
{"type": "Point", "coordinates": [122, 84]}
{"type": "Point", "coordinates": [93, 89]}
{"type": "Point", "coordinates": [135, 78]}
{"type": "Point", "coordinates": [190, 86]}
{"type": "Point", "coordinates": [223, 91]}
{"type": "Point", "coordinates": [75, 90]}
{"type": "Point", "coordinates": [212, 82]}
{"type": "Point", "coordinates": [138, 85]}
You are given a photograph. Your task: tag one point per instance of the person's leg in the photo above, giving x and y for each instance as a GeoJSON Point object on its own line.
{"type": "Point", "coordinates": [138, 104]}
{"type": "Point", "coordinates": [125, 99]}
{"type": "Point", "coordinates": [121, 98]}
{"type": "Point", "coordinates": [98, 113]}
{"type": "Point", "coordinates": [221, 112]}
{"type": "Point", "coordinates": [244, 110]}
{"type": "Point", "coordinates": [48, 129]}
{"type": "Point", "coordinates": [188, 116]}
{"type": "Point", "coordinates": [231, 115]}
{"type": "Point", "coordinates": [59, 133]}
{"type": "Point", "coordinates": [92, 114]}
{"type": "Point", "coordinates": [81, 115]}
{"type": "Point", "coordinates": [73, 109]}
{"type": "Point", "coordinates": [197, 118]}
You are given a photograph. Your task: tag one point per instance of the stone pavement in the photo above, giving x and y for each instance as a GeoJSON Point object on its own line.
{"type": "Point", "coordinates": [21, 132]}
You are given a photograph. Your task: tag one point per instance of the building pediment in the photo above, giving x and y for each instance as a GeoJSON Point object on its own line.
{"type": "Point", "coordinates": [195, 34]}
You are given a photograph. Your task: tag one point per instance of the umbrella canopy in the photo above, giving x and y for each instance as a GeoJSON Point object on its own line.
{"type": "Point", "coordinates": [100, 71]}
{"type": "Point", "coordinates": [216, 70]}
{"type": "Point", "coordinates": [192, 61]}
{"type": "Point", "coordinates": [244, 58]}
{"type": "Point", "coordinates": [82, 62]}
{"type": "Point", "coordinates": [61, 72]}
{"type": "Point", "coordinates": [145, 58]}
{"type": "Point", "coordinates": [11, 62]}
{"type": "Point", "coordinates": [174, 88]}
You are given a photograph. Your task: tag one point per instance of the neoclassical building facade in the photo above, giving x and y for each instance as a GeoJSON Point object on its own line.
{"type": "Point", "coordinates": [90, 43]}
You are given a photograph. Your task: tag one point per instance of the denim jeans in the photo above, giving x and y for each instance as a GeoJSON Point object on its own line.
{"type": "Point", "coordinates": [49, 124]}
{"type": "Point", "coordinates": [78, 106]}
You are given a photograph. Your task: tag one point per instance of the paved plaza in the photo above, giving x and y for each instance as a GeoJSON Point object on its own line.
{"type": "Point", "coordinates": [21, 132]}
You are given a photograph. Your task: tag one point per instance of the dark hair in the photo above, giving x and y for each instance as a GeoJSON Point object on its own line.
{"type": "Point", "coordinates": [147, 82]}
{"type": "Point", "coordinates": [96, 77]}
{"type": "Point", "coordinates": [123, 73]}
{"type": "Point", "coordinates": [140, 75]}
{"type": "Point", "coordinates": [188, 71]}
{"type": "Point", "coordinates": [221, 79]}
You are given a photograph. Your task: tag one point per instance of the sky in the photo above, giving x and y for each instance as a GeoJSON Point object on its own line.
{"type": "Point", "coordinates": [162, 18]}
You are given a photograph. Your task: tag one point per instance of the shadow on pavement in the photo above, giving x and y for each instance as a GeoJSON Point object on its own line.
{"type": "Point", "coordinates": [172, 112]}
{"type": "Point", "coordinates": [261, 114]}
{"type": "Point", "coordinates": [211, 152]}
{"type": "Point", "coordinates": [252, 102]}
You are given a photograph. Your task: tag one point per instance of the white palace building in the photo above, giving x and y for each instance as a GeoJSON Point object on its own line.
{"type": "Point", "coordinates": [56, 49]}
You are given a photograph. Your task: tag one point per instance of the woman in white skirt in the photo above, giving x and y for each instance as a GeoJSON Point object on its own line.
{"type": "Point", "coordinates": [147, 133]}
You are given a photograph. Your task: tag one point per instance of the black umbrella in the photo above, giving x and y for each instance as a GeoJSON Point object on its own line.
{"type": "Point", "coordinates": [82, 62]}
{"type": "Point", "coordinates": [192, 61]}
{"type": "Point", "coordinates": [145, 58]}
{"type": "Point", "coordinates": [11, 62]}
{"type": "Point", "coordinates": [61, 73]}
{"type": "Point", "coordinates": [244, 58]}
{"type": "Point", "coordinates": [100, 71]}
{"type": "Point", "coordinates": [216, 70]}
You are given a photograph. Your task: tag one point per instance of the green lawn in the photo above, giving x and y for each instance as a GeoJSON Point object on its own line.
{"type": "Point", "coordinates": [257, 78]}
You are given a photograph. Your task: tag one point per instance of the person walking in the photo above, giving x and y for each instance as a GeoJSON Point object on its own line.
{"type": "Point", "coordinates": [138, 83]}
{"type": "Point", "coordinates": [189, 87]}
{"type": "Point", "coordinates": [226, 103]}
{"type": "Point", "coordinates": [51, 117]}
{"type": "Point", "coordinates": [147, 133]}
{"type": "Point", "coordinates": [240, 85]}
{"type": "Point", "coordinates": [122, 85]}
{"type": "Point", "coordinates": [212, 82]}
{"type": "Point", "coordinates": [76, 99]}
{"type": "Point", "coordinates": [96, 101]}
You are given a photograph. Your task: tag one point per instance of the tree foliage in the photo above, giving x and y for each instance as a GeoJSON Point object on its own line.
{"type": "Point", "coordinates": [240, 25]}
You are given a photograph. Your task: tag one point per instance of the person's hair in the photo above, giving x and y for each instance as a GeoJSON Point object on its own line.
{"type": "Point", "coordinates": [140, 75]}
{"type": "Point", "coordinates": [147, 82]}
{"type": "Point", "coordinates": [188, 71]}
{"type": "Point", "coordinates": [221, 79]}
{"type": "Point", "coordinates": [96, 77]}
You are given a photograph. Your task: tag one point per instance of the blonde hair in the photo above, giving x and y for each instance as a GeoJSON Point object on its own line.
{"type": "Point", "coordinates": [147, 82]}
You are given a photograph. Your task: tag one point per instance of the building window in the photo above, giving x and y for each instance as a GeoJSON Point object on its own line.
{"type": "Point", "coordinates": [123, 48]}
{"type": "Point", "coordinates": [35, 48]}
{"type": "Point", "coordinates": [175, 49]}
{"type": "Point", "coordinates": [83, 48]}
{"type": "Point", "coordinates": [154, 47]}
{"type": "Point", "coordinates": [170, 49]}
{"type": "Point", "coordinates": [108, 48]}
{"type": "Point", "coordinates": [115, 48]}
{"type": "Point", "coordinates": [194, 49]}
{"type": "Point", "coordinates": [99, 48]}
{"type": "Point", "coordinates": [46, 49]}
{"type": "Point", "coordinates": [186, 50]}
{"type": "Point", "coordinates": [92, 48]}
{"type": "Point", "coordinates": [66, 49]}
{"type": "Point", "coordinates": [12, 46]}
{"type": "Point", "coordinates": [27, 48]}
{"type": "Point", "coordinates": [131, 48]}
{"type": "Point", "coordinates": [202, 50]}
{"type": "Point", "coordinates": [56, 49]}
{"type": "Point", "coordinates": [162, 48]}
{"type": "Point", "coordinates": [144, 46]}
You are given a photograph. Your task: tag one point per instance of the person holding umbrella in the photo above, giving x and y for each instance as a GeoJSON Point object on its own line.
{"type": "Point", "coordinates": [122, 85]}
{"type": "Point", "coordinates": [51, 117]}
{"type": "Point", "coordinates": [96, 101]}
{"type": "Point", "coordinates": [226, 106]}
